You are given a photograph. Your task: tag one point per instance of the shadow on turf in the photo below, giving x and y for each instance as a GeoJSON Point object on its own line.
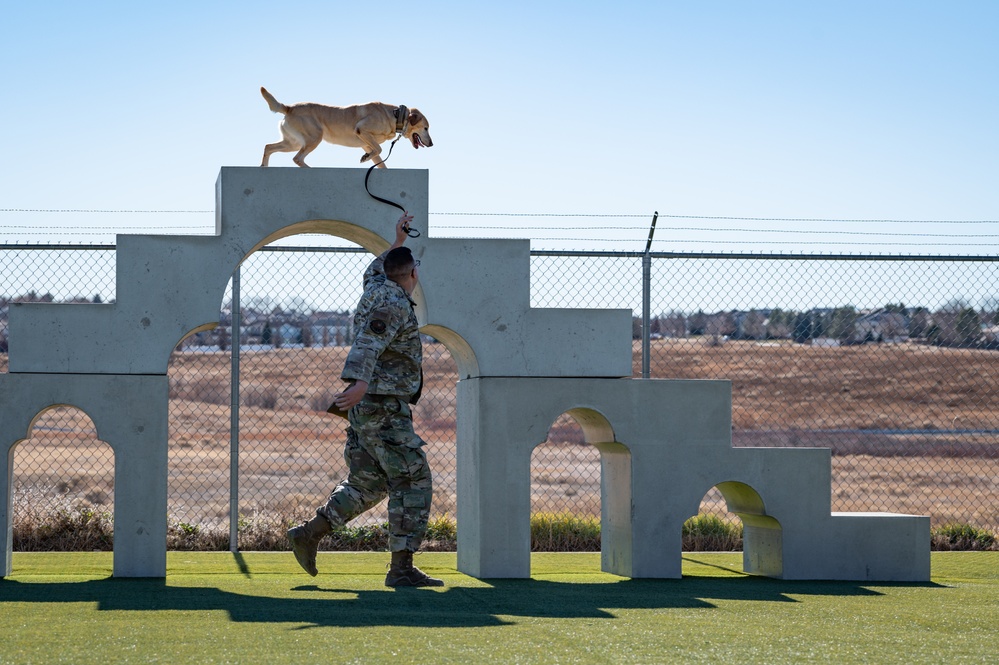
{"type": "Point", "coordinates": [456, 606]}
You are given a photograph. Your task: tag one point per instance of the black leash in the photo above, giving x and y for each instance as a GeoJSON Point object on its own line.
{"type": "Point", "coordinates": [411, 232]}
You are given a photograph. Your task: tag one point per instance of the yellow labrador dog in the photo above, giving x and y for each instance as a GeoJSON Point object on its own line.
{"type": "Point", "coordinates": [367, 126]}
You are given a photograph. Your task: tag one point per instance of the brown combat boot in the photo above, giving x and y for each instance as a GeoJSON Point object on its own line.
{"type": "Point", "coordinates": [404, 573]}
{"type": "Point", "coordinates": [305, 542]}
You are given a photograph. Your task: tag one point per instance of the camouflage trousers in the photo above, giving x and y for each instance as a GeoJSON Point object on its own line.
{"type": "Point", "coordinates": [384, 458]}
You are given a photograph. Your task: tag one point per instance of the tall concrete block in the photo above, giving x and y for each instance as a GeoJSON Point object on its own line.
{"type": "Point", "coordinates": [477, 295]}
{"type": "Point", "coordinates": [494, 538]}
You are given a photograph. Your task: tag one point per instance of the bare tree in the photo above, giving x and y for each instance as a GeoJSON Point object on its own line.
{"type": "Point", "coordinates": [919, 321]}
{"type": "Point", "coordinates": [674, 324]}
{"type": "Point", "coordinates": [754, 326]}
{"type": "Point", "coordinates": [718, 326]}
{"type": "Point", "coordinates": [969, 327]}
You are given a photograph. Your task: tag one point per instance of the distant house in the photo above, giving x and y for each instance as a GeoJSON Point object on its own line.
{"type": "Point", "coordinates": [288, 334]}
{"type": "Point", "coordinates": [673, 324]}
{"type": "Point", "coordinates": [721, 325]}
{"type": "Point", "coordinates": [753, 324]}
{"type": "Point", "coordinates": [330, 328]}
{"type": "Point", "coordinates": [880, 326]}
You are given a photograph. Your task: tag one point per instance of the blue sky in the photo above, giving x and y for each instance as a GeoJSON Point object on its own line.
{"type": "Point", "coordinates": [834, 110]}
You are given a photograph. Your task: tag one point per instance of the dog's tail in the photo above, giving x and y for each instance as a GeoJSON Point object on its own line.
{"type": "Point", "coordinates": [275, 105]}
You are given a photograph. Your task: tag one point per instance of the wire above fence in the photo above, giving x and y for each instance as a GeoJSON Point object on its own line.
{"type": "Point", "coordinates": [546, 214]}
{"type": "Point", "coordinates": [733, 255]}
{"type": "Point", "coordinates": [673, 236]}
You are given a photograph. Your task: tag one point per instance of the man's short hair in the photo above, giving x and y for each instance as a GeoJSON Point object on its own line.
{"type": "Point", "coordinates": [399, 262]}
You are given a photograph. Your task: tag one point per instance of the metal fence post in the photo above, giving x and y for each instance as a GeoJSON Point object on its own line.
{"type": "Point", "coordinates": [647, 300]}
{"type": "Point", "coordinates": [235, 342]}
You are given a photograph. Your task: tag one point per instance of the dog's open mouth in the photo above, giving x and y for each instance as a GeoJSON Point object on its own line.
{"type": "Point", "coordinates": [418, 142]}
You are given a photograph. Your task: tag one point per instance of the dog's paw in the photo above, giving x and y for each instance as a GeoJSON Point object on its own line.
{"type": "Point", "coordinates": [366, 157]}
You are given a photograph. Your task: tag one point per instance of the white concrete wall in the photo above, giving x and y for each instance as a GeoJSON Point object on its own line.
{"type": "Point", "coordinates": [664, 444]}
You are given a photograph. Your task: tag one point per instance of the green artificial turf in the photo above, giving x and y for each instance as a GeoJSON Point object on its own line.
{"type": "Point", "coordinates": [259, 607]}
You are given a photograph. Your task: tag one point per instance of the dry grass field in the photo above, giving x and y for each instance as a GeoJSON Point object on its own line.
{"type": "Point", "coordinates": [935, 450]}
{"type": "Point", "coordinates": [782, 385]}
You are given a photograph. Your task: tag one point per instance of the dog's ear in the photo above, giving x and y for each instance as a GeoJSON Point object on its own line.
{"type": "Point", "coordinates": [415, 116]}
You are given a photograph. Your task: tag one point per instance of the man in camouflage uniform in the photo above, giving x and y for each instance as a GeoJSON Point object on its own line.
{"type": "Point", "coordinates": [383, 453]}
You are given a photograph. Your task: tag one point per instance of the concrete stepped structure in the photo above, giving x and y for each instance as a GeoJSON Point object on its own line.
{"type": "Point", "coordinates": [663, 443]}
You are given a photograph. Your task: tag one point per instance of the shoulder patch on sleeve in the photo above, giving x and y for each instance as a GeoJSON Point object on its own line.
{"type": "Point", "coordinates": [379, 320]}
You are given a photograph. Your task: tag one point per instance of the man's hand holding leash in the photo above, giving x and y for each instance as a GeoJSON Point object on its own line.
{"type": "Point", "coordinates": [402, 230]}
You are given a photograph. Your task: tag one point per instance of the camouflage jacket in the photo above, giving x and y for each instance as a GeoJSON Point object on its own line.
{"type": "Point", "coordinates": [387, 352]}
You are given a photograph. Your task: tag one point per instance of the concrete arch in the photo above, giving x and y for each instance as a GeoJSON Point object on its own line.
{"type": "Point", "coordinates": [29, 421]}
{"type": "Point", "coordinates": [762, 540]}
{"type": "Point", "coordinates": [616, 486]}
{"type": "Point", "coordinates": [460, 350]}
{"type": "Point", "coordinates": [345, 229]}
{"type": "Point", "coordinates": [742, 499]}
{"type": "Point", "coordinates": [83, 467]}
{"type": "Point", "coordinates": [558, 460]}
{"type": "Point", "coordinates": [596, 427]}
{"type": "Point", "coordinates": [34, 420]}
{"type": "Point", "coordinates": [129, 414]}
{"type": "Point", "coordinates": [29, 430]}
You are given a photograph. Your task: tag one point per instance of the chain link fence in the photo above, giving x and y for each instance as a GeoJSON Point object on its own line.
{"type": "Point", "coordinates": [889, 361]}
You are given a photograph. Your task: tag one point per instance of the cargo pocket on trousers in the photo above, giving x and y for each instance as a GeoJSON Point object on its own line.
{"type": "Point", "coordinates": [414, 500]}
